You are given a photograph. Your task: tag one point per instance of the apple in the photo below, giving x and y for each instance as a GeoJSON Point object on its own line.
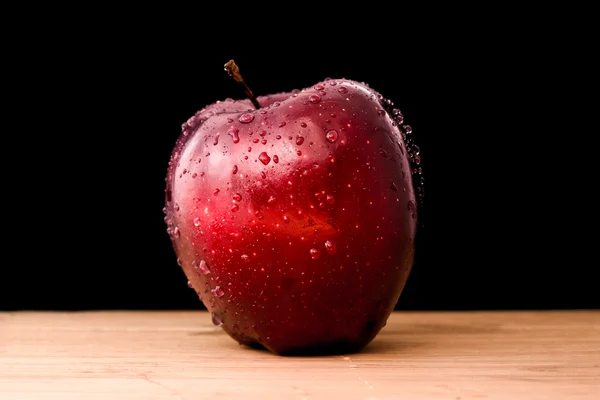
{"type": "Point", "coordinates": [295, 221]}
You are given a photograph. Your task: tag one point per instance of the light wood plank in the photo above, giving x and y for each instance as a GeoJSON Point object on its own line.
{"type": "Point", "coordinates": [181, 355]}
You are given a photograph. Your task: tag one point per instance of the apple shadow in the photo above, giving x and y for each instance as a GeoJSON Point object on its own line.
{"type": "Point", "coordinates": [378, 346]}
{"type": "Point", "coordinates": [442, 329]}
{"type": "Point", "coordinates": [388, 345]}
{"type": "Point", "coordinates": [402, 338]}
{"type": "Point", "coordinates": [209, 331]}
{"type": "Point", "coordinates": [396, 340]}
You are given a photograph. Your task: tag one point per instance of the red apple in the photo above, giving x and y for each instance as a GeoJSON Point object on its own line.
{"type": "Point", "coordinates": [295, 222]}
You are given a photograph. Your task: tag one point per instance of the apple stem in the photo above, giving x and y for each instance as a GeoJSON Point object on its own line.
{"type": "Point", "coordinates": [233, 71]}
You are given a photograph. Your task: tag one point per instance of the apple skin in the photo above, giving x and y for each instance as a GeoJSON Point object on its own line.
{"type": "Point", "coordinates": [295, 222]}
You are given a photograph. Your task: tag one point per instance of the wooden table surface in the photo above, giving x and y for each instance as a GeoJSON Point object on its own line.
{"type": "Point", "coordinates": [181, 355]}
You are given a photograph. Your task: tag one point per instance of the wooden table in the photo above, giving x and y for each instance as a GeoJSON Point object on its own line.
{"type": "Point", "coordinates": [181, 355]}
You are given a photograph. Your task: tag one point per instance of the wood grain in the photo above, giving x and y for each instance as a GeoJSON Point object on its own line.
{"type": "Point", "coordinates": [181, 355]}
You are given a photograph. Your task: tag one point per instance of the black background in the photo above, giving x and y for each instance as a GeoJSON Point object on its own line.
{"type": "Point", "coordinates": [501, 225]}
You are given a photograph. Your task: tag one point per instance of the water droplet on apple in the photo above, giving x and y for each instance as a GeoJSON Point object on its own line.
{"type": "Point", "coordinates": [264, 158]}
{"type": "Point", "coordinates": [278, 137]}
{"type": "Point", "coordinates": [196, 221]}
{"type": "Point", "coordinates": [229, 120]}
{"type": "Point", "coordinates": [281, 125]}
{"type": "Point", "coordinates": [179, 261]}
{"type": "Point", "coordinates": [264, 141]}
{"type": "Point", "coordinates": [176, 233]}
{"type": "Point", "coordinates": [394, 187]}
{"type": "Point", "coordinates": [315, 253]}
{"type": "Point", "coordinates": [314, 98]}
{"type": "Point", "coordinates": [299, 140]}
{"type": "Point", "coordinates": [216, 192]}
{"type": "Point", "coordinates": [194, 175]}
{"type": "Point", "coordinates": [343, 89]}
{"type": "Point", "coordinates": [216, 141]}
{"type": "Point", "coordinates": [332, 136]}
{"type": "Point", "coordinates": [407, 129]}
{"type": "Point", "coordinates": [303, 124]}
{"type": "Point", "coordinates": [381, 112]}
{"type": "Point", "coordinates": [176, 207]}
{"type": "Point", "coordinates": [237, 197]}
{"type": "Point", "coordinates": [201, 267]}
{"type": "Point", "coordinates": [189, 284]}
{"type": "Point", "coordinates": [245, 258]}
{"type": "Point", "coordinates": [275, 158]}
{"type": "Point", "coordinates": [234, 133]}
{"type": "Point", "coordinates": [286, 219]}
{"type": "Point", "coordinates": [235, 169]}
{"type": "Point", "coordinates": [330, 247]}
{"type": "Point", "coordinates": [218, 292]}
{"type": "Point", "coordinates": [272, 200]}
{"type": "Point", "coordinates": [246, 118]}
{"type": "Point", "coordinates": [215, 319]}
{"type": "Point", "coordinates": [411, 206]}
{"type": "Point", "coordinates": [330, 199]}
{"type": "Point", "coordinates": [255, 140]}
{"type": "Point", "coordinates": [319, 87]}
{"type": "Point", "coordinates": [299, 152]}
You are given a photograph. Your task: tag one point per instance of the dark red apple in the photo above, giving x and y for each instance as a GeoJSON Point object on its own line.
{"type": "Point", "coordinates": [295, 222]}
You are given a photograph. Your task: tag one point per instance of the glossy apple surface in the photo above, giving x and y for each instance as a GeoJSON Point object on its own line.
{"type": "Point", "coordinates": [295, 222]}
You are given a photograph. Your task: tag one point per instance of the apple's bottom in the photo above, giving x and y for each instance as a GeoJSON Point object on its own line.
{"type": "Point", "coordinates": [309, 343]}
{"type": "Point", "coordinates": [332, 349]}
